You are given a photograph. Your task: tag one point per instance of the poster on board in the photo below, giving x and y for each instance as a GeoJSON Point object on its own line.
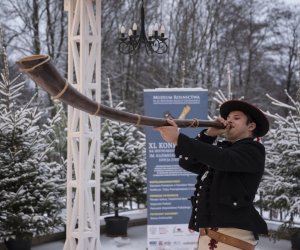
{"type": "Point", "coordinates": [169, 187]}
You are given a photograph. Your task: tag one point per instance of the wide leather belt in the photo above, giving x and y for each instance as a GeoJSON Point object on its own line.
{"type": "Point", "coordinates": [226, 239]}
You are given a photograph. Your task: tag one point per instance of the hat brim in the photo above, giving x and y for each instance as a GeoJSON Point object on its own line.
{"type": "Point", "coordinates": [262, 123]}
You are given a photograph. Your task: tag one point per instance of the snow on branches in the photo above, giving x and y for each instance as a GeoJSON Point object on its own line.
{"type": "Point", "coordinates": [31, 185]}
{"type": "Point", "coordinates": [281, 183]}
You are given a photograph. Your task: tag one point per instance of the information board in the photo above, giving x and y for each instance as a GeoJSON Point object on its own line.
{"type": "Point", "coordinates": [169, 187]}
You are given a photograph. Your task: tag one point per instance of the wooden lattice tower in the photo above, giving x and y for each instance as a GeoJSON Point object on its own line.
{"type": "Point", "coordinates": [83, 168]}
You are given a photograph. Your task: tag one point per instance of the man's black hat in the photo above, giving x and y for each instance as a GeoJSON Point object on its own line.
{"type": "Point", "coordinates": [262, 123]}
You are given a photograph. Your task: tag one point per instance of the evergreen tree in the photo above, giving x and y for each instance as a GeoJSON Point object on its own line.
{"type": "Point", "coordinates": [59, 135]}
{"type": "Point", "coordinates": [31, 187]}
{"type": "Point", "coordinates": [123, 163]}
{"type": "Point", "coordinates": [280, 186]}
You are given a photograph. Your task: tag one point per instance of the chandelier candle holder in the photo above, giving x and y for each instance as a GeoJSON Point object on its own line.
{"type": "Point", "coordinates": [154, 43]}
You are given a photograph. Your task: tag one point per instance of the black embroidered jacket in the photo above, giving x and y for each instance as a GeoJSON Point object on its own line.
{"type": "Point", "coordinates": [228, 177]}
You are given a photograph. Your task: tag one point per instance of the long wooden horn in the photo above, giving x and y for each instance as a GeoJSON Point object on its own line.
{"type": "Point", "coordinates": [42, 71]}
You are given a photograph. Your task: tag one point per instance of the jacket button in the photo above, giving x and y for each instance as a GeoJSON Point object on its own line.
{"type": "Point", "coordinates": [186, 158]}
{"type": "Point", "coordinates": [180, 156]}
{"type": "Point", "coordinates": [234, 204]}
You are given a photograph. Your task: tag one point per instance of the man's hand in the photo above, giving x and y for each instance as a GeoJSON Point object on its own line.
{"type": "Point", "coordinates": [169, 133]}
{"type": "Point", "coordinates": [214, 132]}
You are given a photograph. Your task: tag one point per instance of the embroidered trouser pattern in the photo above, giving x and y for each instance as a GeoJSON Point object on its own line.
{"type": "Point", "coordinates": [206, 243]}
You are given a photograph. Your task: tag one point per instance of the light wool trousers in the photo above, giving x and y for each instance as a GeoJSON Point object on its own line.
{"type": "Point", "coordinates": [204, 242]}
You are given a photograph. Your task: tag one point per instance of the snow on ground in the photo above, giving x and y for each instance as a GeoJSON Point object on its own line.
{"type": "Point", "coordinates": [137, 240]}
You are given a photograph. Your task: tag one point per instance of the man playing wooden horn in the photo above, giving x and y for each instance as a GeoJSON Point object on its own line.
{"type": "Point", "coordinates": [229, 173]}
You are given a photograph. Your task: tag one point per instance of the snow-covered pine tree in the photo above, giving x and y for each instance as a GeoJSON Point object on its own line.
{"type": "Point", "coordinates": [31, 188]}
{"type": "Point", "coordinates": [59, 135]}
{"type": "Point", "coordinates": [280, 186]}
{"type": "Point", "coordinates": [123, 165]}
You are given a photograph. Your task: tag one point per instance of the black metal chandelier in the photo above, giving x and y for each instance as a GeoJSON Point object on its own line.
{"type": "Point", "coordinates": [154, 43]}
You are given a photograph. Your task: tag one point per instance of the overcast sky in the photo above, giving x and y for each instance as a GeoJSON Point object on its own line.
{"type": "Point", "coordinates": [292, 1]}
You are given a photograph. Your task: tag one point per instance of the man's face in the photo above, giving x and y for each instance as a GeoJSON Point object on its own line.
{"type": "Point", "coordinates": [237, 127]}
